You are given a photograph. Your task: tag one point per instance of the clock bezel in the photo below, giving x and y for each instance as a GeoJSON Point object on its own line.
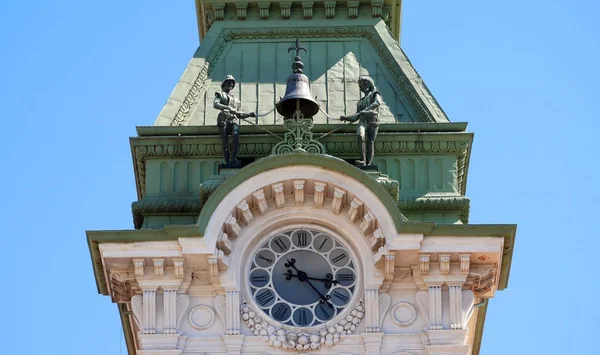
{"type": "Point", "coordinates": [259, 241]}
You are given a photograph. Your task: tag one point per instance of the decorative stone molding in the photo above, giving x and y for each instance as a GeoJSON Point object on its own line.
{"type": "Point", "coordinates": [260, 201]}
{"type": "Point", "coordinates": [385, 301]}
{"type": "Point", "coordinates": [330, 9]}
{"type": "Point", "coordinates": [302, 341]}
{"type": "Point", "coordinates": [368, 223]}
{"type": "Point", "coordinates": [319, 195]}
{"type": "Point", "coordinates": [221, 307]}
{"type": "Point", "coordinates": [244, 212]}
{"type": "Point", "coordinates": [226, 243]}
{"type": "Point", "coordinates": [424, 263]}
{"type": "Point", "coordinates": [338, 195]}
{"type": "Point", "coordinates": [353, 9]}
{"type": "Point", "coordinates": [159, 267]}
{"type": "Point", "coordinates": [356, 209]}
{"type": "Point", "coordinates": [404, 314]}
{"type": "Point", "coordinates": [178, 268]}
{"type": "Point", "coordinates": [286, 9]}
{"type": "Point", "coordinates": [308, 9]}
{"type": "Point", "coordinates": [242, 8]}
{"type": "Point", "coordinates": [482, 278]}
{"type": "Point", "coordinates": [201, 317]}
{"type": "Point", "coordinates": [465, 262]}
{"type": "Point", "coordinates": [138, 265]}
{"type": "Point", "coordinates": [121, 286]}
{"type": "Point", "coordinates": [299, 191]}
{"type": "Point", "coordinates": [389, 271]}
{"type": "Point", "coordinates": [232, 227]}
{"type": "Point", "coordinates": [219, 9]}
{"type": "Point", "coordinates": [381, 252]}
{"type": "Point", "coordinates": [377, 6]}
{"type": "Point", "coordinates": [263, 8]}
{"type": "Point", "coordinates": [444, 263]}
{"type": "Point", "coordinates": [278, 193]}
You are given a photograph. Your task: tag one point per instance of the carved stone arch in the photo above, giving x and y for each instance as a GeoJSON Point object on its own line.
{"type": "Point", "coordinates": [283, 218]}
{"type": "Point", "coordinates": [273, 182]}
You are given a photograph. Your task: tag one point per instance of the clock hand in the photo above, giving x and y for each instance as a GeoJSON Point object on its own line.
{"type": "Point", "coordinates": [303, 277]}
{"type": "Point", "coordinates": [328, 280]}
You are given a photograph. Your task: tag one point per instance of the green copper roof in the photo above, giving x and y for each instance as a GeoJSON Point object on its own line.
{"type": "Point", "coordinates": [256, 55]}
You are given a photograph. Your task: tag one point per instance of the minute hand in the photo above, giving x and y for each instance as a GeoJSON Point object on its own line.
{"type": "Point", "coordinates": [290, 274]}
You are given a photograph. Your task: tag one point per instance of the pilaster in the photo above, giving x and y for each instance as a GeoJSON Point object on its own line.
{"type": "Point", "coordinates": [233, 343]}
{"type": "Point", "coordinates": [373, 343]}
{"type": "Point", "coordinates": [170, 310]}
{"type": "Point", "coordinates": [372, 309]}
{"type": "Point", "coordinates": [149, 310]}
{"type": "Point", "coordinates": [455, 306]}
{"type": "Point", "coordinates": [435, 306]}
{"type": "Point", "coordinates": [232, 302]}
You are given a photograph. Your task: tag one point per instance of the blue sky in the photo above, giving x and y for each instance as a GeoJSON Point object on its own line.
{"type": "Point", "coordinates": [76, 77]}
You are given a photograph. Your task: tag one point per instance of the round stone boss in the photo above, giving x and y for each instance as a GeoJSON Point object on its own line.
{"type": "Point", "coordinates": [302, 276]}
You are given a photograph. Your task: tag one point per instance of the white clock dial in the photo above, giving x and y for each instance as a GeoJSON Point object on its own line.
{"type": "Point", "coordinates": [302, 277]}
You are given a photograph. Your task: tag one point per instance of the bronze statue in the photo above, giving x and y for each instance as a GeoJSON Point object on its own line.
{"type": "Point", "coordinates": [367, 115]}
{"type": "Point", "coordinates": [228, 120]}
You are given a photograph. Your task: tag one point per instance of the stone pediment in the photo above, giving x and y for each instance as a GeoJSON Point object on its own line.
{"type": "Point", "coordinates": [337, 56]}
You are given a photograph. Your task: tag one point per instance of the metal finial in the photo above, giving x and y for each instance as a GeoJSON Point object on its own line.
{"type": "Point", "coordinates": [297, 47]}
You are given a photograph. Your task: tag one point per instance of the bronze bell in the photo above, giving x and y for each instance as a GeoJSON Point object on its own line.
{"type": "Point", "coordinates": [297, 91]}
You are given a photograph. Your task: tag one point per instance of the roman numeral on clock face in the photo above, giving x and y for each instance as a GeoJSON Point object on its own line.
{"type": "Point", "coordinates": [281, 244]}
{"type": "Point", "coordinates": [345, 277]}
{"type": "Point", "coordinates": [302, 239]}
{"type": "Point", "coordinates": [264, 298]}
{"type": "Point", "coordinates": [340, 296]}
{"type": "Point", "coordinates": [302, 317]}
{"type": "Point", "coordinates": [259, 278]}
{"type": "Point", "coordinates": [281, 312]}
{"type": "Point", "coordinates": [339, 258]}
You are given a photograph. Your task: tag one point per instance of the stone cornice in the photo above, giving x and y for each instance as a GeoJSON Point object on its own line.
{"type": "Point", "coordinates": [506, 231]}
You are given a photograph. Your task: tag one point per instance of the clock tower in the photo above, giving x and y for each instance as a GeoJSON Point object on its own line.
{"type": "Point", "coordinates": [303, 192]}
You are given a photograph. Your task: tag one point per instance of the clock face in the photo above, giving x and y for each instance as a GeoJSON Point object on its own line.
{"type": "Point", "coordinates": [302, 277]}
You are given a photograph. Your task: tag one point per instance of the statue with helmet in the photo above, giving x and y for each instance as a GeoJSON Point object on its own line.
{"type": "Point", "coordinates": [228, 121]}
{"type": "Point", "coordinates": [367, 115]}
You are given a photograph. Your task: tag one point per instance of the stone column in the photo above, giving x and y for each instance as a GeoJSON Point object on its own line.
{"type": "Point", "coordinates": [372, 309]}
